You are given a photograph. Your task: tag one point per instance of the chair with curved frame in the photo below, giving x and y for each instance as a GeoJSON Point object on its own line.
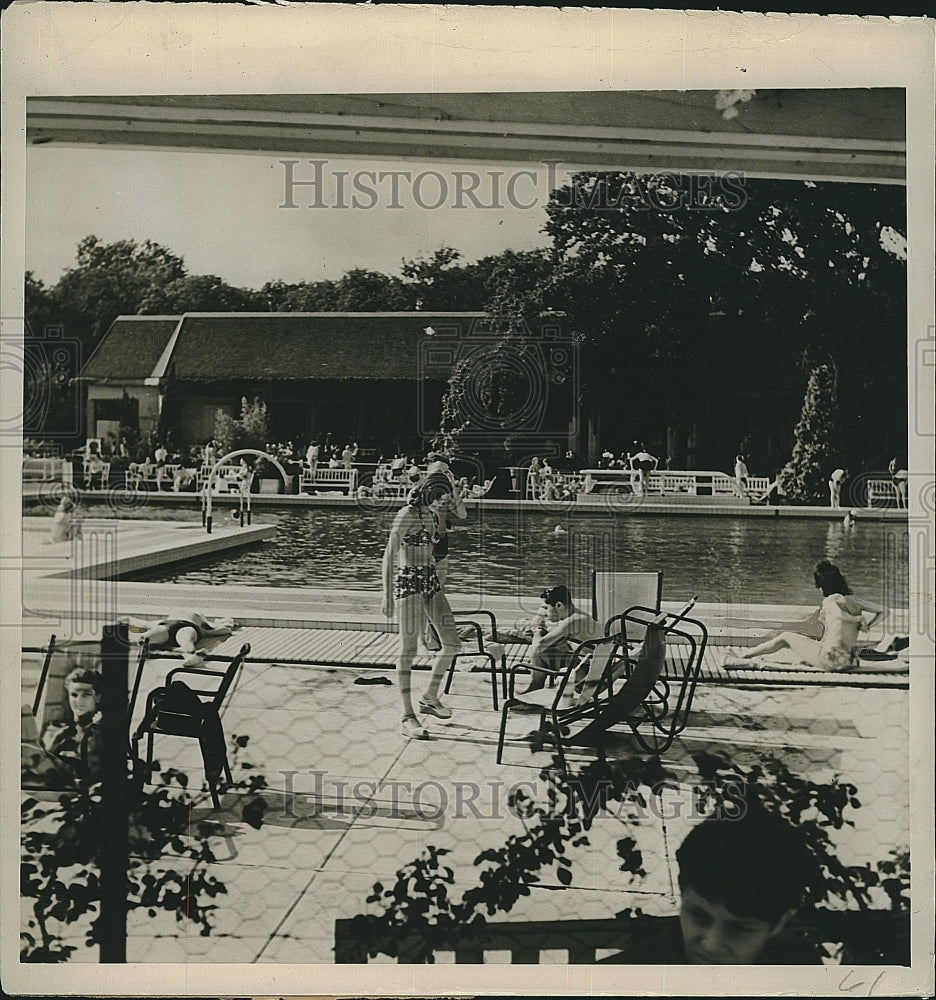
{"type": "Point", "coordinates": [647, 685]}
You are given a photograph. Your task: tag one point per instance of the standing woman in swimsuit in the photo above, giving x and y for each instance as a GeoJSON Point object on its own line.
{"type": "Point", "coordinates": [411, 586]}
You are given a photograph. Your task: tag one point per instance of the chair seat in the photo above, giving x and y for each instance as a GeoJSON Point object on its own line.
{"type": "Point", "coordinates": [544, 698]}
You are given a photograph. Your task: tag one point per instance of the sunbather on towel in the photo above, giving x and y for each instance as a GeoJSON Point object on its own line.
{"type": "Point", "coordinates": [190, 633]}
{"type": "Point", "coordinates": [842, 615]}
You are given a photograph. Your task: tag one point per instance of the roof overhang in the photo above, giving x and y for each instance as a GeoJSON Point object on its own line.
{"type": "Point", "coordinates": [838, 135]}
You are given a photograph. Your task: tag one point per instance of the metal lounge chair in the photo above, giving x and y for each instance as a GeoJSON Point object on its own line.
{"type": "Point", "coordinates": [177, 709]}
{"type": "Point", "coordinates": [474, 645]}
{"type": "Point", "coordinates": [649, 686]}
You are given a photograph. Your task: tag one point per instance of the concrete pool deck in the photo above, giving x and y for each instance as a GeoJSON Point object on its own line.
{"type": "Point", "coordinates": [351, 801]}
{"type": "Point", "coordinates": [679, 505]}
{"type": "Point", "coordinates": [318, 736]}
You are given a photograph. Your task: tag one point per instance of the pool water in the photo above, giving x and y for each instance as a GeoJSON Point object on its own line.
{"type": "Point", "coordinates": [722, 559]}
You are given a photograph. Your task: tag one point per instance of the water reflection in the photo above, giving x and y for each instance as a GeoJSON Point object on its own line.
{"type": "Point", "coordinates": [731, 560]}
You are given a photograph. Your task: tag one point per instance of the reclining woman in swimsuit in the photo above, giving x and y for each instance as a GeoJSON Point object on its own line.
{"type": "Point", "coordinates": [411, 586]}
{"type": "Point", "coordinates": [842, 616]}
{"type": "Point", "coordinates": [187, 633]}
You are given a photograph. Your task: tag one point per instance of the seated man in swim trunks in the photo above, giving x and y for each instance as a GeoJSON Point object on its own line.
{"type": "Point", "coordinates": [564, 625]}
{"type": "Point", "coordinates": [188, 633]}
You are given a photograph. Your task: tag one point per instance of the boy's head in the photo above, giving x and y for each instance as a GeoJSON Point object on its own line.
{"type": "Point", "coordinates": [83, 687]}
{"type": "Point", "coordinates": [741, 880]}
{"type": "Point", "coordinates": [558, 601]}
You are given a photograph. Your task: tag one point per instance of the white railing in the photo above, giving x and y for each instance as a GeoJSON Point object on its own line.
{"type": "Point", "coordinates": [344, 479]}
{"type": "Point", "coordinates": [662, 482]}
{"type": "Point", "coordinates": [881, 489]}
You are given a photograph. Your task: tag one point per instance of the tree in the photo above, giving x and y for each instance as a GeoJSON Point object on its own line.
{"type": "Point", "coordinates": [817, 448]}
{"type": "Point", "coordinates": [360, 290]}
{"type": "Point", "coordinates": [51, 360]}
{"type": "Point", "coordinates": [442, 284]}
{"type": "Point", "coordinates": [250, 430]}
{"type": "Point", "coordinates": [111, 279]}
{"type": "Point", "coordinates": [690, 299]}
{"type": "Point", "coordinates": [200, 293]}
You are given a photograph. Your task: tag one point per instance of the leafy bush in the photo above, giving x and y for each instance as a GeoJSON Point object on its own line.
{"type": "Point", "coordinates": [250, 430]}
{"type": "Point", "coordinates": [421, 913]}
{"type": "Point", "coordinates": [61, 843]}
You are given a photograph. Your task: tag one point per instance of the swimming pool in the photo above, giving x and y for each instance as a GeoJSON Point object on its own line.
{"type": "Point", "coordinates": [722, 559]}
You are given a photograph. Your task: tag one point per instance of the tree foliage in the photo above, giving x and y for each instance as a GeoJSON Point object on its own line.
{"type": "Point", "coordinates": [110, 279]}
{"type": "Point", "coordinates": [817, 448]}
{"type": "Point", "coordinates": [421, 913]}
{"type": "Point", "coordinates": [169, 856]}
{"type": "Point", "coordinates": [687, 301]}
{"type": "Point", "coordinates": [250, 430]}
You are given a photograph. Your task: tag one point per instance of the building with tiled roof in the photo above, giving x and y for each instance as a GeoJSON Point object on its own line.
{"type": "Point", "coordinates": [376, 377]}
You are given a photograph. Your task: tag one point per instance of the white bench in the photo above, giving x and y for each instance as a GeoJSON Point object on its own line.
{"type": "Point", "coordinates": [136, 475]}
{"type": "Point", "coordinates": [627, 479]}
{"type": "Point", "coordinates": [46, 470]}
{"type": "Point", "coordinates": [661, 482]}
{"type": "Point", "coordinates": [571, 480]}
{"type": "Point", "coordinates": [881, 489]}
{"type": "Point", "coordinates": [329, 479]}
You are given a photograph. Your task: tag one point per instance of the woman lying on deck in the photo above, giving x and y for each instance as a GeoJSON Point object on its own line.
{"type": "Point", "coordinates": [842, 615]}
{"type": "Point", "coordinates": [191, 633]}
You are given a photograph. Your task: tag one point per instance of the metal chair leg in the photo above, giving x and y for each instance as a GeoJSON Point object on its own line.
{"type": "Point", "coordinates": [502, 733]}
{"type": "Point", "coordinates": [490, 658]}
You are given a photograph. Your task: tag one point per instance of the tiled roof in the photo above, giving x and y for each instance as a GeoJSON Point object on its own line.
{"type": "Point", "coordinates": [130, 348]}
{"type": "Point", "coordinates": [304, 346]}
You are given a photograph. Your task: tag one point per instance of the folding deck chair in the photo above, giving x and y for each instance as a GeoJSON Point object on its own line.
{"type": "Point", "coordinates": [609, 681]}
{"type": "Point", "coordinates": [50, 707]}
{"type": "Point", "coordinates": [613, 593]}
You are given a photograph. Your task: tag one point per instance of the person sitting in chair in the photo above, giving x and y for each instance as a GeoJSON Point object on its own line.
{"type": "Point", "coordinates": [742, 879]}
{"type": "Point", "coordinates": [564, 625]}
{"type": "Point", "coordinates": [77, 743]}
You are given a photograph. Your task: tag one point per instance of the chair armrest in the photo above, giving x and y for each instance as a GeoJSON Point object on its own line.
{"type": "Point", "coordinates": [200, 671]}
{"type": "Point", "coordinates": [483, 613]}
{"type": "Point", "coordinates": [517, 667]}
